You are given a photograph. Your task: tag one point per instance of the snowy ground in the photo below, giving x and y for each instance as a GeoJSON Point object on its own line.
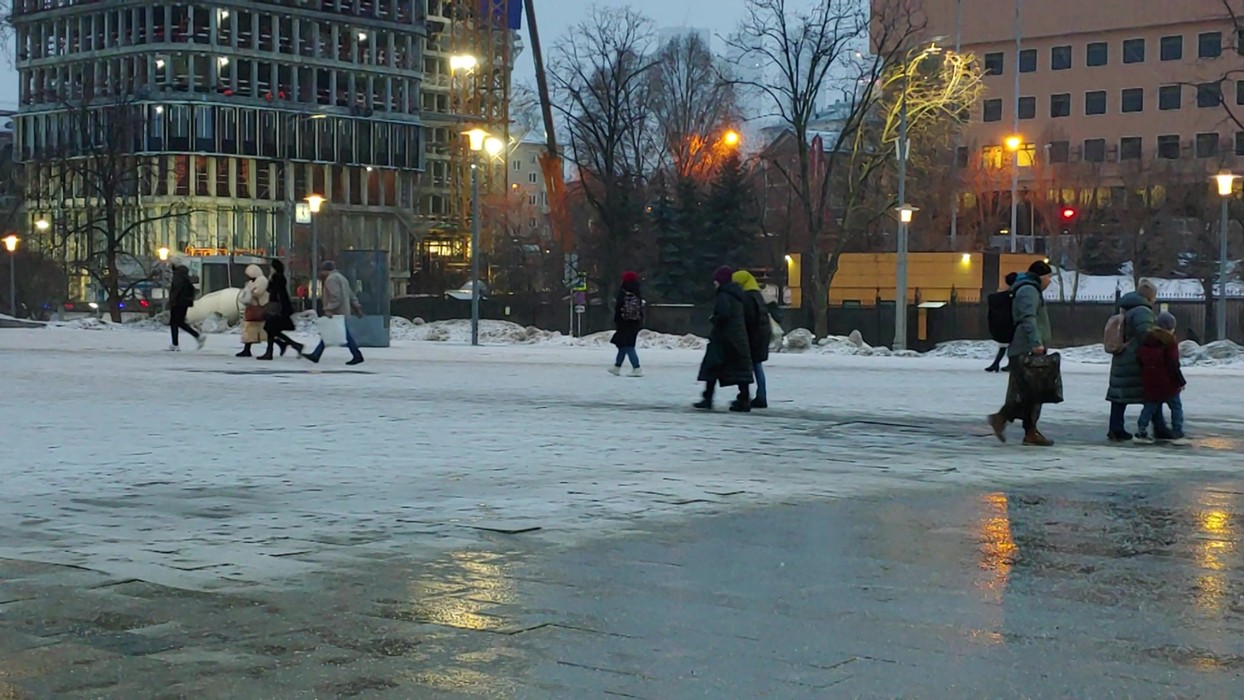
{"type": "Point", "coordinates": [115, 453]}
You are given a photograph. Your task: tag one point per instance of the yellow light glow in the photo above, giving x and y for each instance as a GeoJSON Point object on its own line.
{"type": "Point", "coordinates": [1226, 183]}
{"type": "Point", "coordinates": [462, 62]}
{"type": "Point", "coordinates": [476, 138]}
{"type": "Point", "coordinates": [789, 259]}
{"type": "Point", "coordinates": [966, 259]}
{"type": "Point", "coordinates": [43, 224]}
{"type": "Point", "coordinates": [906, 212]}
{"type": "Point", "coordinates": [493, 146]}
{"type": "Point", "coordinates": [223, 61]}
{"type": "Point", "coordinates": [1014, 142]}
{"type": "Point", "coordinates": [10, 243]}
{"type": "Point", "coordinates": [732, 138]}
{"type": "Point", "coordinates": [316, 201]}
{"type": "Point", "coordinates": [162, 253]}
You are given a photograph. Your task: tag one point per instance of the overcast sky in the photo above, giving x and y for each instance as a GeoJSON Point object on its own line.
{"type": "Point", "coordinates": [556, 17]}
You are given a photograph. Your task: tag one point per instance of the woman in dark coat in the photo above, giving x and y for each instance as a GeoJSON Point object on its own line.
{"type": "Point", "coordinates": [728, 359]}
{"type": "Point", "coordinates": [628, 318]}
{"type": "Point", "coordinates": [759, 332]}
{"type": "Point", "coordinates": [181, 297]}
{"type": "Point", "coordinates": [279, 313]}
{"type": "Point", "coordinates": [1126, 380]}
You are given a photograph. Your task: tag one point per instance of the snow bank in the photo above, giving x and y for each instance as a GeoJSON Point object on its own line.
{"type": "Point", "coordinates": [1104, 287]}
{"type": "Point", "coordinates": [1217, 354]}
{"type": "Point", "coordinates": [507, 333]}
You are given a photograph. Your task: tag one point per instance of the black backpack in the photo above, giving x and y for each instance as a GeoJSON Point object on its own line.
{"type": "Point", "coordinates": [1001, 315]}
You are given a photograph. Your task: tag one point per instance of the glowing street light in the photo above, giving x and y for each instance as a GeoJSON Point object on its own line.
{"type": "Point", "coordinates": [10, 244]}
{"type": "Point", "coordinates": [479, 141]}
{"type": "Point", "coordinates": [462, 62]}
{"type": "Point", "coordinates": [42, 225]}
{"type": "Point", "coordinates": [1226, 187]}
{"type": "Point", "coordinates": [732, 138]}
{"type": "Point", "coordinates": [315, 202]}
{"type": "Point", "coordinates": [162, 253]}
{"type": "Point", "coordinates": [1013, 143]}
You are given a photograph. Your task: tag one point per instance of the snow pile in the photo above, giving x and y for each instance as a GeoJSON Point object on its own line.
{"type": "Point", "coordinates": [155, 323]}
{"type": "Point", "coordinates": [1220, 353]}
{"type": "Point", "coordinates": [802, 340]}
{"type": "Point", "coordinates": [1217, 354]}
{"type": "Point", "coordinates": [977, 350]}
{"type": "Point", "coordinates": [1105, 287]}
{"type": "Point", "coordinates": [507, 333]}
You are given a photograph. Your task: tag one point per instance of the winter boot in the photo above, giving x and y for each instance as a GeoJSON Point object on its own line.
{"type": "Point", "coordinates": [743, 404]}
{"type": "Point", "coordinates": [615, 371]}
{"type": "Point", "coordinates": [314, 355]}
{"type": "Point", "coordinates": [246, 351]}
{"type": "Point", "coordinates": [282, 345]}
{"type": "Point", "coordinates": [201, 340]}
{"type": "Point", "coordinates": [636, 372]}
{"type": "Point", "coordinates": [1034, 438]}
{"type": "Point", "coordinates": [1119, 437]}
{"type": "Point", "coordinates": [760, 403]}
{"type": "Point", "coordinates": [1143, 438]}
{"type": "Point", "coordinates": [706, 402]}
{"type": "Point", "coordinates": [998, 423]}
{"type": "Point", "coordinates": [356, 360]}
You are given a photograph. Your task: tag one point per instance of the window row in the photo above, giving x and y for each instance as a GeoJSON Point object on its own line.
{"type": "Point", "coordinates": [1166, 147]}
{"type": "Point", "coordinates": [1097, 53]}
{"type": "Point", "coordinates": [388, 10]}
{"type": "Point", "coordinates": [217, 27]}
{"type": "Point", "coordinates": [204, 74]}
{"type": "Point", "coordinates": [1131, 101]}
{"type": "Point", "coordinates": [224, 130]}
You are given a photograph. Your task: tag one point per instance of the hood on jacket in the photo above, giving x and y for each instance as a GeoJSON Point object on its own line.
{"type": "Point", "coordinates": [746, 280]}
{"type": "Point", "coordinates": [1026, 278]}
{"type": "Point", "coordinates": [1133, 300]}
{"type": "Point", "coordinates": [254, 272]}
{"type": "Point", "coordinates": [1159, 336]}
{"type": "Point", "coordinates": [631, 286]}
{"type": "Point", "coordinates": [733, 289]}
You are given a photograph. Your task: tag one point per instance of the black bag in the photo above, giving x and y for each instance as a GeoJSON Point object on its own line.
{"type": "Point", "coordinates": [1001, 318]}
{"type": "Point", "coordinates": [1041, 378]}
{"type": "Point", "coordinates": [272, 311]}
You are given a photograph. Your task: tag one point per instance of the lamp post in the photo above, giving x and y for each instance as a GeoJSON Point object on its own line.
{"type": "Point", "coordinates": [1226, 184]}
{"type": "Point", "coordinates": [290, 208]}
{"type": "Point", "coordinates": [10, 244]}
{"type": "Point", "coordinates": [162, 253]}
{"type": "Point", "coordinates": [1013, 144]}
{"type": "Point", "coordinates": [316, 202]}
{"type": "Point", "coordinates": [478, 140]}
{"type": "Point", "coordinates": [905, 212]}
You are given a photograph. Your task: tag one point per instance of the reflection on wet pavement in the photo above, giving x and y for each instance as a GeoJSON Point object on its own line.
{"type": "Point", "coordinates": [1066, 590]}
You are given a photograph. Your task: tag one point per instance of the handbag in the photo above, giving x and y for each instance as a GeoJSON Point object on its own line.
{"type": "Point", "coordinates": [272, 311]}
{"type": "Point", "coordinates": [332, 330]}
{"type": "Point", "coordinates": [1041, 378]}
{"type": "Point", "coordinates": [253, 314]}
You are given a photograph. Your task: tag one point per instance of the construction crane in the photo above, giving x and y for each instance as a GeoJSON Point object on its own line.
{"type": "Point", "coordinates": [551, 160]}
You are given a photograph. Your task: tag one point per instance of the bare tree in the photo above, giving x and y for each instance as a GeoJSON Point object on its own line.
{"type": "Point", "coordinates": [92, 173]}
{"type": "Point", "coordinates": [600, 75]}
{"type": "Point", "coordinates": [693, 103]}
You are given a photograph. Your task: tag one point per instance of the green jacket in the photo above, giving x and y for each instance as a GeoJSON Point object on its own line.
{"type": "Point", "coordinates": [1032, 322]}
{"type": "Point", "coordinates": [1126, 378]}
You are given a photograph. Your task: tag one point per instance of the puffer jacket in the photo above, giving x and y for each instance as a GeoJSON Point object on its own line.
{"type": "Point", "coordinates": [1032, 321]}
{"type": "Point", "coordinates": [1159, 365]}
{"type": "Point", "coordinates": [1127, 384]}
{"type": "Point", "coordinates": [728, 358]}
{"type": "Point", "coordinates": [755, 316]}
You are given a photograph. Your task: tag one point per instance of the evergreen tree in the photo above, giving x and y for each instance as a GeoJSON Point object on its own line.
{"type": "Point", "coordinates": [729, 231]}
{"type": "Point", "coordinates": [675, 218]}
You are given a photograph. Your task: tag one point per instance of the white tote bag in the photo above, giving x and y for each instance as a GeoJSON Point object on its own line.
{"type": "Point", "coordinates": [332, 330]}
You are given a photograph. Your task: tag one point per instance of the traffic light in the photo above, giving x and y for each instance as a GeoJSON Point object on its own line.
{"type": "Point", "coordinates": [1068, 214]}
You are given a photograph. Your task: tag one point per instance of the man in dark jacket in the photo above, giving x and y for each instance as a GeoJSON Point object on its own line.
{"type": "Point", "coordinates": [628, 318]}
{"type": "Point", "coordinates": [759, 332]}
{"type": "Point", "coordinates": [728, 359]}
{"type": "Point", "coordinates": [1032, 335]}
{"type": "Point", "coordinates": [1126, 381]}
{"type": "Point", "coordinates": [181, 298]}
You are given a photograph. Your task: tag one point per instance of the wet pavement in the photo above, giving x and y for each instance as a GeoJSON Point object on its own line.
{"type": "Point", "coordinates": [1131, 589]}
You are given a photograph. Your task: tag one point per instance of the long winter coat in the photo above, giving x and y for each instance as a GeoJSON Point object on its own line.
{"type": "Point", "coordinates": [728, 359]}
{"type": "Point", "coordinates": [254, 297]}
{"type": "Point", "coordinates": [1159, 365]}
{"type": "Point", "coordinates": [278, 292]}
{"type": "Point", "coordinates": [755, 316]}
{"type": "Point", "coordinates": [1032, 321]}
{"type": "Point", "coordinates": [181, 289]}
{"type": "Point", "coordinates": [1126, 380]}
{"type": "Point", "coordinates": [627, 333]}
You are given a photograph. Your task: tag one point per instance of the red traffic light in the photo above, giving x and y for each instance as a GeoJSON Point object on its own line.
{"type": "Point", "coordinates": [1068, 213]}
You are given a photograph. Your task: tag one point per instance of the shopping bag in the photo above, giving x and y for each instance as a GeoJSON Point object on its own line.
{"type": "Point", "coordinates": [332, 330]}
{"type": "Point", "coordinates": [1042, 378]}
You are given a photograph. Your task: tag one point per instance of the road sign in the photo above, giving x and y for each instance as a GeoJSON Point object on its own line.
{"type": "Point", "coordinates": [580, 309]}
{"type": "Point", "coordinates": [302, 213]}
{"type": "Point", "coordinates": [580, 284]}
{"type": "Point", "coordinates": [570, 272]}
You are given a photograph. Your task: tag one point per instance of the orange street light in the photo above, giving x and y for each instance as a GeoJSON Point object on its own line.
{"type": "Point", "coordinates": [732, 138]}
{"type": "Point", "coordinates": [1014, 142]}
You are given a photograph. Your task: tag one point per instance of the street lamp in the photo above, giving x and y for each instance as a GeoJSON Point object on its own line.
{"type": "Point", "coordinates": [732, 138]}
{"type": "Point", "coordinates": [162, 254]}
{"type": "Point", "coordinates": [292, 121]}
{"type": "Point", "coordinates": [462, 62]}
{"type": "Point", "coordinates": [315, 202]}
{"type": "Point", "coordinates": [42, 225]}
{"type": "Point", "coordinates": [479, 141]}
{"type": "Point", "coordinates": [10, 244]}
{"type": "Point", "coordinates": [1226, 185]}
{"type": "Point", "coordinates": [1013, 144]}
{"type": "Point", "coordinates": [905, 213]}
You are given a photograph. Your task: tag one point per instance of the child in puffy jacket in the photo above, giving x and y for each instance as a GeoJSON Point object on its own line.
{"type": "Point", "coordinates": [1163, 382]}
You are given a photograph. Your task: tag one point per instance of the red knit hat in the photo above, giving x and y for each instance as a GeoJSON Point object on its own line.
{"type": "Point", "coordinates": [630, 276]}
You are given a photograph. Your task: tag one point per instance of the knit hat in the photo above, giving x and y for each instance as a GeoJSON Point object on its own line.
{"type": "Point", "coordinates": [1040, 268]}
{"type": "Point", "coordinates": [1147, 289]}
{"type": "Point", "coordinates": [630, 276]}
{"type": "Point", "coordinates": [1166, 321]}
{"type": "Point", "coordinates": [328, 266]}
{"type": "Point", "coordinates": [723, 274]}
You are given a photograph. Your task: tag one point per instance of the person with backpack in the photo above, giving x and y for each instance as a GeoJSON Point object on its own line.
{"type": "Point", "coordinates": [628, 318]}
{"type": "Point", "coordinates": [1031, 324]}
{"type": "Point", "coordinates": [1124, 333]}
{"type": "Point", "coordinates": [997, 360]}
{"type": "Point", "coordinates": [1163, 383]}
{"type": "Point", "coordinates": [759, 331]}
{"type": "Point", "coordinates": [181, 297]}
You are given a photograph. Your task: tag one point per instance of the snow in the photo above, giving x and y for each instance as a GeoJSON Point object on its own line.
{"type": "Point", "coordinates": [1106, 287]}
{"type": "Point", "coordinates": [112, 449]}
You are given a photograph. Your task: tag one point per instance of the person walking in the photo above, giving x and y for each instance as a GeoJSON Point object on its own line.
{"type": "Point", "coordinates": [254, 298]}
{"type": "Point", "coordinates": [997, 360]}
{"type": "Point", "coordinates": [759, 331]}
{"type": "Point", "coordinates": [338, 300]}
{"type": "Point", "coordinates": [279, 313]}
{"type": "Point", "coordinates": [628, 318]}
{"type": "Point", "coordinates": [1032, 336]}
{"type": "Point", "coordinates": [1163, 383]}
{"type": "Point", "coordinates": [181, 297]}
{"type": "Point", "coordinates": [728, 359]}
{"type": "Point", "coordinates": [1126, 381]}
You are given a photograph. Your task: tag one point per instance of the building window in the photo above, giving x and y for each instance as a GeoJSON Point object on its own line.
{"type": "Point", "coordinates": [1027, 108]}
{"type": "Point", "coordinates": [1094, 150]}
{"type": "Point", "coordinates": [1028, 61]}
{"type": "Point", "coordinates": [991, 157]}
{"type": "Point", "coordinates": [1209, 45]}
{"type": "Point", "coordinates": [1170, 97]}
{"type": "Point", "coordinates": [961, 156]}
{"type": "Point", "coordinates": [995, 63]}
{"type": "Point", "coordinates": [1208, 95]}
{"type": "Point", "coordinates": [518, 165]}
{"type": "Point", "coordinates": [1060, 151]}
{"type": "Point", "coordinates": [1239, 92]}
{"type": "Point", "coordinates": [992, 110]}
{"type": "Point", "coordinates": [1060, 105]}
{"type": "Point", "coordinates": [1206, 145]}
{"type": "Point", "coordinates": [1130, 148]}
{"type": "Point", "coordinates": [531, 177]}
{"type": "Point", "coordinates": [1097, 54]}
{"type": "Point", "coordinates": [1168, 147]}
{"type": "Point", "coordinates": [1239, 143]}
{"type": "Point", "coordinates": [1060, 58]}
{"type": "Point", "coordinates": [1134, 51]}
{"type": "Point", "coordinates": [1095, 102]}
{"type": "Point", "coordinates": [1172, 48]}
{"type": "Point", "coordinates": [1133, 100]}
